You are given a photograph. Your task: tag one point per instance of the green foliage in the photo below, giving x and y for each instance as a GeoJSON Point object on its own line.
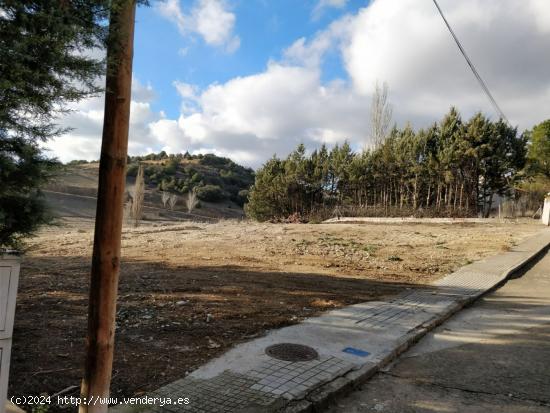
{"type": "Point", "coordinates": [171, 166]}
{"type": "Point", "coordinates": [197, 177]}
{"type": "Point", "coordinates": [77, 162]}
{"type": "Point", "coordinates": [452, 168]}
{"type": "Point", "coordinates": [534, 190]}
{"type": "Point", "coordinates": [242, 197]}
{"type": "Point", "coordinates": [210, 193]}
{"type": "Point", "coordinates": [42, 408]}
{"type": "Point", "coordinates": [214, 177]}
{"type": "Point", "coordinates": [268, 197]}
{"type": "Point", "coordinates": [132, 169]}
{"type": "Point", "coordinates": [538, 155]}
{"type": "Point", "coordinates": [42, 67]}
{"type": "Point", "coordinates": [23, 169]}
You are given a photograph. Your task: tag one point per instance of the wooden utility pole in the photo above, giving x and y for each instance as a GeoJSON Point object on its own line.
{"type": "Point", "coordinates": [109, 212]}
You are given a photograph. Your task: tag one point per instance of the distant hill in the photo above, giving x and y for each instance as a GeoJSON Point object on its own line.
{"type": "Point", "coordinates": [214, 178]}
{"type": "Point", "coordinates": [221, 186]}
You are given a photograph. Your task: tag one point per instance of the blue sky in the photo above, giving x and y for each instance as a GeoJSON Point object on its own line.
{"type": "Point", "coordinates": [249, 78]}
{"type": "Point", "coordinates": [265, 27]}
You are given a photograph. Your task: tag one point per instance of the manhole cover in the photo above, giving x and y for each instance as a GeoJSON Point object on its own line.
{"type": "Point", "coordinates": [291, 352]}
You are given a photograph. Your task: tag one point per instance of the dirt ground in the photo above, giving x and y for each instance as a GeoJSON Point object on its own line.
{"type": "Point", "coordinates": [190, 291]}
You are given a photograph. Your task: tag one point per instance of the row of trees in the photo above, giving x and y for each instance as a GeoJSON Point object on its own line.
{"type": "Point", "coordinates": [453, 168]}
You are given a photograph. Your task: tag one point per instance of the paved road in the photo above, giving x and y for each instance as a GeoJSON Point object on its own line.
{"type": "Point", "coordinates": [492, 357]}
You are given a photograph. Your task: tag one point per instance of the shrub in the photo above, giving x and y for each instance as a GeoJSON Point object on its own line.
{"type": "Point", "coordinates": [171, 167]}
{"type": "Point", "coordinates": [77, 162]}
{"type": "Point", "coordinates": [191, 201]}
{"type": "Point", "coordinates": [196, 177]}
{"type": "Point", "coordinates": [241, 198]}
{"type": "Point", "coordinates": [172, 201]}
{"type": "Point", "coordinates": [165, 196]}
{"type": "Point", "coordinates": [138, 198]}
{"type": "Point", "coordinates": [210, 193]}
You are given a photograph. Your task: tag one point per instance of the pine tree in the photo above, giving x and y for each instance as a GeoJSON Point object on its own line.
{"type": "Point", "coordinates": [453, 168]}
{"type": "Point", "coordinates": [45, 62]}
{"type": "Point", "coordinates": [538, 156]}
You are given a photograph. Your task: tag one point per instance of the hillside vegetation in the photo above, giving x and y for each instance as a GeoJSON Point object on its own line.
{"type": "Point", "coordinates": [221, 185]}
{"type": "Point", "coordinates": [213, 178]}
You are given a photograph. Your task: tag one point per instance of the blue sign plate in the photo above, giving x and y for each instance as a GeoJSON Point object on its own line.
{"type": "Point", "coordinates": [356, 352]}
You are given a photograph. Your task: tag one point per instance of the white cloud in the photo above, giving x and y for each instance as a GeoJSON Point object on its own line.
{"type": "Point", "coordinates": [210, 19]}
{"type": "Point", "coordinates": [312, 52]}
{"type": "Point", "coordinates": [322, 5]}
{"type": "Point", "coordinates": [214, 22]}
{"type": "Point", "coordinates": [541, 12]}
{"type": "Point", "coordinates": [404, 43]}
{"type": "Point", "coordinates": [252, 117]}
{"type": "Point", "coordinates": [171, 10]}
{"type": "Point", "coordinates": [186, 90]}
{"type": "Point", "coordinates": [189, 96]}
{"type": "Point", "coordinates": [183, 51]}
{"type": "Point", "coordinates": [86, 121]}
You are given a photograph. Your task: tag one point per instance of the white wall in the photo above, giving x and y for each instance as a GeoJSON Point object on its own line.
{"type": "Point", "coordinates": [9, 278]}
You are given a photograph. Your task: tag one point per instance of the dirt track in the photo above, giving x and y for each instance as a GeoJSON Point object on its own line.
{"type": "Point", "coordinates": [190, 291]}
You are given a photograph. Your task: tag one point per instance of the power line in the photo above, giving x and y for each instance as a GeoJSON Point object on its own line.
{"type": "Point", "coordinates": [476, 74]}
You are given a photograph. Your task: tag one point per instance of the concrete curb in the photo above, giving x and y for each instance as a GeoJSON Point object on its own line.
{"type": "Point", "coordinates": [412, 220]}
{"type": "Point", "coordinates": [319, 399]}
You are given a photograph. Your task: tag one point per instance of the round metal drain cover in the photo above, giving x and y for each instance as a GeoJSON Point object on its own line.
{"type": "Point", "coordinates": [291, 352]}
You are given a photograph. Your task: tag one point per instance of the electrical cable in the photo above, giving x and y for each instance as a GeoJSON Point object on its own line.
{"type": "Point", "coordinates": [470, 63]}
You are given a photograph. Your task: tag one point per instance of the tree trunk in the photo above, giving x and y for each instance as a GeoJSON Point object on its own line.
{"type": "Point", "coordinates": [109, 212]}
{"type": "Point", "coordinates": [488, 211]}
{"type": "Point", "coordinates": [415, 193]}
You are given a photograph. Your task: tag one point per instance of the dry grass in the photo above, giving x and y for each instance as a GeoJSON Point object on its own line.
{"type": "Point", "coordinates": [185, 286]}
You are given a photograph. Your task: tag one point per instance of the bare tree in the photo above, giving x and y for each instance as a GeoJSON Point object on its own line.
{"type": "Point", "coordinates": [165, 196]}
{"type": "Point", "coordinates": [380, 115]}
{"type": "Point", "coordinates": [192, 201]}
{"type": "Point", "coordinates": [172, 201]}
{"type": "Point", "coordinates": [128, 209]}
{"type": "Point", "coordinates": [138, 197]}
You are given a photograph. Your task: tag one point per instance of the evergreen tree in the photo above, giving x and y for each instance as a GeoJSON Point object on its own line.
{"type": "Point", "coordinates": [538, 156]}
{"type": "Point", "coordinates": [453, 168]}
{"type": "Point", "coordinates": [268, 197]}
{"type": "Point", "coordinates": [46, 60]}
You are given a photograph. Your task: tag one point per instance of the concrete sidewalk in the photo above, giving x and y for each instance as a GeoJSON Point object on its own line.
{"type": "Point", "coordinates": [413, 220]}
{"type": "Point", "coordinates": [350, 345]}
{"type": "Point", "coordinates": [491, 357]}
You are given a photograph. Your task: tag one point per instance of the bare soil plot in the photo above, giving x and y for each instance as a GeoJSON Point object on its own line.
{"type": "Point", "coordinates": [190, 291]}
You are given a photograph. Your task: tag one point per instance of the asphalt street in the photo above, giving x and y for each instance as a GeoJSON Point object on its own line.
{"type": "Point", "coordinates": [491, 357]}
